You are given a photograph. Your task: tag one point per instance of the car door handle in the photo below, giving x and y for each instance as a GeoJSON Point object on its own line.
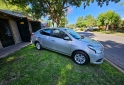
{"type": "Point", "coordinates": [53, 40]}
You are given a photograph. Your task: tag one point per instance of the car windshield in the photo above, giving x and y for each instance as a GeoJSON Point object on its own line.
{"type": "Point", "coordinates": [73, 34]}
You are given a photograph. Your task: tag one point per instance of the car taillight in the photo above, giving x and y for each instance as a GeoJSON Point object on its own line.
{"type": "Point", "coordinates": [31, 34]}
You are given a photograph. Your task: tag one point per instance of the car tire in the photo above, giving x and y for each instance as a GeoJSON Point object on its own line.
{"type": "Point", "coordinates": [81, 58]}
{"type": "Point", "coordinates": [38, 45]}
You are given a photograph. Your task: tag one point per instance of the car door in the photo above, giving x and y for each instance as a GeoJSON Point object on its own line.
{"type": "Point", "coordinates": [59, 43]}
{"type": "Point", "coordinates": [45, 38]}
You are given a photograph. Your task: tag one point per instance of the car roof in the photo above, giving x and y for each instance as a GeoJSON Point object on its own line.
{"type": "Point", "coordinates": [55, 28]}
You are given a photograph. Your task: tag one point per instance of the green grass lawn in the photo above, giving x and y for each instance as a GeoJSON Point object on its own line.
{"type": "Point", "coordinates": [29, 66]}
{"type": "Point", "coordinates": [119, 33]}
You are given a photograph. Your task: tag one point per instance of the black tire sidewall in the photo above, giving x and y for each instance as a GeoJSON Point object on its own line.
{"type": "Point", "coordinates": [39, 44]}
{"type": "Point", "coordinates": [83, 53]}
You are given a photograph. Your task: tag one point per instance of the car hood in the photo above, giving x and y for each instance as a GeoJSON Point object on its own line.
{"type": "Point", "coordinates": [91, 41]}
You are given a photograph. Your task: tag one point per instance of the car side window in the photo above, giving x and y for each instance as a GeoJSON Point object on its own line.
{"type": "Point", "coordinates": [59, 34]}
{"type": "Point", "coordinates": [45, 32]}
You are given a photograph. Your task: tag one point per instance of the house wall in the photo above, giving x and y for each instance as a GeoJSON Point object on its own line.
{"type": "Point", "coordinates": [1, 45]}
{"type": "Point", "coordinates": [15, 31]}
{"type": "Point", "coordinates": [30, 28]}
{"type": "Point", "coordinates": [4, 17]}
{"type": "Point", "coordinates": [13, 27]}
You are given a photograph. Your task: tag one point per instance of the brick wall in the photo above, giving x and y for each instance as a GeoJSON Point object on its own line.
{"type": "Point", "coordinates": [15, 32]}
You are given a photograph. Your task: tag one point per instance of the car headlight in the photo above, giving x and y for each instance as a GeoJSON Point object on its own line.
{"type": "Point", "coordinates": [95, 49]}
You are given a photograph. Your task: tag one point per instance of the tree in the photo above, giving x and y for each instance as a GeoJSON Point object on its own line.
{"type": "Point", "coordinates": [55, 8]}
{"type": "Point", "coordinates": [108, 18]}
{"type": "Point", "coordinates": [72, 26]}
{"type": "Point", "coordinates": [121, 24]}
{"type": "Point", "coordinates": [14, 8]}
{"type": "Point", "coordinates": [111, 18]}
{"type": "Point", "coordinates": [121, 3]}
{"type": "Point", "coordinates": [101, 19]}
{"type": "Point", "coordinates": [89, 20]}
{"type": "Point", "coordinates": [79, 22]}
{"type": "Point", "coordinates": [49, 23]}
{"type": "Point", "coordinates": [63, 22]}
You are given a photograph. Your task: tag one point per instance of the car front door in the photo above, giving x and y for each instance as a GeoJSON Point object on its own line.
{"type": "Point", "coordinates": [59, 43]}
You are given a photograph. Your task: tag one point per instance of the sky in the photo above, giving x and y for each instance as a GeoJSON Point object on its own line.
{"type": "Point", "coordinates": [94, 10]}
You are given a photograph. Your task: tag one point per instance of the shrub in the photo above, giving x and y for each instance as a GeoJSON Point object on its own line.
{"type": "Point", "coordinates": [82, 29]}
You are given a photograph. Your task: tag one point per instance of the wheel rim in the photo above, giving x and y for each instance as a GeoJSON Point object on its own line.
{"type": "Point", "coordinates": [80, 58]}
{"type": "Point", "coordinates": [38, 45]}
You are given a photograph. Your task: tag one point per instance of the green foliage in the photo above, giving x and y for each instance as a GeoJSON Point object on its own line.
{"type": "Point", "coordinates": [110, 17]}
{"type": "Point", "coordinates": [121, 24]}
{"type": "Point", "coordinates": [15, 8]}
{"type": "Point", "coordinates": [80, 22]}
{"type": "Point", "coordinates": [55, 8]}
{"type": "Point", "coordinates": [89, 20]}
{"type": "Point", "coordinates": [86, 21]}
{"type": "Point", "coordinates": [101, 19]}
{"type": "Point", "coordinates": [49, 23]}
{"type": "Point", "coordinates": [63, 22]}
{"type": "Point", "coordinates": [121, 3]}
{"type": "Point", "coordinates": [82, 29]}
{"type": "Point", "coordinates": [72, 26]}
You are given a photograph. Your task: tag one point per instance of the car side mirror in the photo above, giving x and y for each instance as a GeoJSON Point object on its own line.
{"type": "Point", "coordinates": [66, 38]}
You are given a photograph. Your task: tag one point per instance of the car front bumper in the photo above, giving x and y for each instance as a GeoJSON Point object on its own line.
{"type": "Point", "coordinates": [96, 58]}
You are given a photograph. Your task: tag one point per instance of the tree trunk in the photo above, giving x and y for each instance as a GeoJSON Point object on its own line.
{"type": "Point", "coordinates": [53, 23]}
{"type": "Point", "coordinates": [57, 24]}
{"type": "Point", "coordinates": [107, 27]}
{"type": "Point", "coordinates": [113, 27]}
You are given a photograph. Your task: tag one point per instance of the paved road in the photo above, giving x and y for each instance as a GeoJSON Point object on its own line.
{"type": "Point", "coordinates": [114, 46]}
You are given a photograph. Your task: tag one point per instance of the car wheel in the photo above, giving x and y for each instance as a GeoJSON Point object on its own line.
{"type": "Point", "coordinates": [38, 45]}
{"type": "Point", "coordinates": [80, 57]}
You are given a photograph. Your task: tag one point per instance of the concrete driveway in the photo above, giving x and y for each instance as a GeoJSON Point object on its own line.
{"type": "Point", "coordinates": [114, 46]}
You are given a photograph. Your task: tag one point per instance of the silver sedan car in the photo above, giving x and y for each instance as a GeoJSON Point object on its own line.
{"type": "Point", "coordinates": [83, 50]}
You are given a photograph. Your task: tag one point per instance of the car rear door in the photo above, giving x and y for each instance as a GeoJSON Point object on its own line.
{"type": "Point", "coordinates": [45, 38]}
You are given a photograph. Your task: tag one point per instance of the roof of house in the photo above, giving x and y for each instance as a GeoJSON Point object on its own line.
{"type": "Point", "coordinates": [15, 14]}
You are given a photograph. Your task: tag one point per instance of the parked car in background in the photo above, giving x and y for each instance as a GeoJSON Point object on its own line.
{"type": "Point", "coordinates": [88, 29]}
{"type": "Point", "coordinates": [66, 41]}
{"type": "Point", "coordinates": [95, 27]}
{"type": "Point", "coordinates": [91, 28]}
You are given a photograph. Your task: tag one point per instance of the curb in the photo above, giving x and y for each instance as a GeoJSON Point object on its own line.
{"type": "Point", "coordinates": [114, 65]}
